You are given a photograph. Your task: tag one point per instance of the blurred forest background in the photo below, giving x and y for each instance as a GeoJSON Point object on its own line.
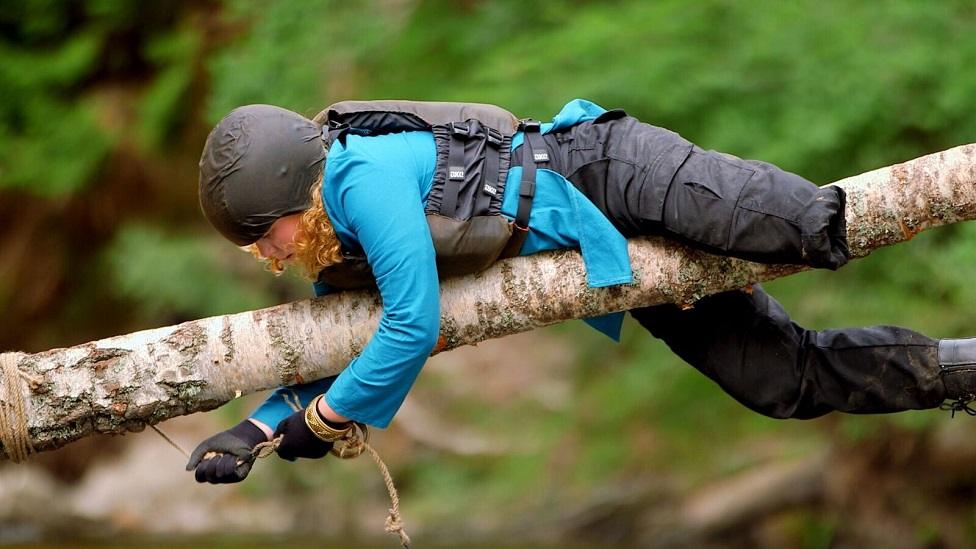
{"type": "Point", "coordinates": [552, 437]}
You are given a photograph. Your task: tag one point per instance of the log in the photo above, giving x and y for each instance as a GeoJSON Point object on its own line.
{"type": "Point", "coordinates": [125, 382]}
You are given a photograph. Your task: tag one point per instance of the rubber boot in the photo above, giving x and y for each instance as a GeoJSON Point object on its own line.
{"type": "Point", "coordinates": [957, 361]}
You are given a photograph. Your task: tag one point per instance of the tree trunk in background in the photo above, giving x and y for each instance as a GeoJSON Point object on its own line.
{"type": "Point", "coordinates": [124, 383]}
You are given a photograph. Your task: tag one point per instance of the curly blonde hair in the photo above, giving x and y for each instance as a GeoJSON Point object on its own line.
{"type": "Point", "coordinates": [316, 244]}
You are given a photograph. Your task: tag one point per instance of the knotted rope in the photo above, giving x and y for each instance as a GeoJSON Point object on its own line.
{"type": "Point", "coordinates": [15, 385]}
{"type": "Point", "coordinates": [353, 445]}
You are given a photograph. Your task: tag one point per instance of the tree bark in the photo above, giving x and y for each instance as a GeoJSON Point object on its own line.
{"type": "Point", "coordinates": [124, 383]}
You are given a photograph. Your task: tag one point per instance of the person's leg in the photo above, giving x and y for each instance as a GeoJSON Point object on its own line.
{"type": "Point", "coordinates": [957, 358]}
{"type": "Point", "coordinates": [755, 210]}
{"type": "Point", "coordinates": [747, 344]}
{"type": "Point", "coordinates": [649, 180]}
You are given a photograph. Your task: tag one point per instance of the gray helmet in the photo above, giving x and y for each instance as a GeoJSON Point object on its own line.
{"type": "Point", "coordinates": [259, 164]}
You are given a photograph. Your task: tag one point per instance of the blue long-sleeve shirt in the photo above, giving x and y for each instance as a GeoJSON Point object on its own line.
{"type": "Point", "coordinates": [375, 193]}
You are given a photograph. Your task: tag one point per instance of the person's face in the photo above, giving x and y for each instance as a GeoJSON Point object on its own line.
{"type": "Point", "coordinates": [279, 242]}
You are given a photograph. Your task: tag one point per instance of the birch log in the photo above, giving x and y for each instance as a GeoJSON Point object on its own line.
{"type": "Point", "coordinates": [123, 383]}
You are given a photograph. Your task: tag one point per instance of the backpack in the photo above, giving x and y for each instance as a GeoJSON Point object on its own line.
{"type": "Point", "coordinates": [473, 143]}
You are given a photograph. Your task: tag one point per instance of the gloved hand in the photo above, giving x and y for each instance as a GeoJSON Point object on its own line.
{"type": "Point", "coordinates": [234, 454]}
{"type": "Point", "coordinates": [299, 441]}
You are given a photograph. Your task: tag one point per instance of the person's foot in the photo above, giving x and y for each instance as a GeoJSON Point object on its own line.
{"type": "Point", "coordinates": [957, 361]}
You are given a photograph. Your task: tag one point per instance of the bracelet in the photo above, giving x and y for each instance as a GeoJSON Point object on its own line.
{"type": "Point", "coordinates": [319, 427]}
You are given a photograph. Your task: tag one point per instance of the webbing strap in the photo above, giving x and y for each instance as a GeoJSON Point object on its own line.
{"type": "Point", "coordinates": [489, 186]}
{"type": "Point", "coordinates": [455, 168]}
{"type": "Point", "coordinates": [533, 152]}
{"type": "Point", "coordinates": [333, 131]}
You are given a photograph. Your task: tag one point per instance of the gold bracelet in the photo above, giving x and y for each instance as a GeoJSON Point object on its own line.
{"type": "Point", "coordinates": [319, 427]}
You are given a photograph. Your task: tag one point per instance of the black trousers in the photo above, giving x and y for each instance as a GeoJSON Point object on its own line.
{"type": "Point", "coordinates": [650, 181]}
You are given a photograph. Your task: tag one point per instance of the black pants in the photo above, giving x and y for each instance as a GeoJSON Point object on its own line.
{"type": "Point", "coordinates": [650, 181]}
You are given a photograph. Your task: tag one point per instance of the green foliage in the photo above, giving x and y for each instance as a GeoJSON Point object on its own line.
{"type": "Point", "coordinates": [793, 83]}
{"type": "Point", "coordinates": [57, 59]}
{"type": "Point", "coordinates": [276, 63]}
{"type": "Point", "coordinates": [177, 275]}
{"type": "Point", "coordinates": [164, 107]}
{"type": "Point", "coordinates": [817, 533]}
{"type": "Point", "coordinates": [51, 143]}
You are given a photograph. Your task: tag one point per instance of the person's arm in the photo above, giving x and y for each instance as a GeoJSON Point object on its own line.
{"type": "Point", "coordinates": [282, 401]}
{"type": "Point", "coordinates": [385, 210]}
{"type": "Point", "coordinates": [285, 400]}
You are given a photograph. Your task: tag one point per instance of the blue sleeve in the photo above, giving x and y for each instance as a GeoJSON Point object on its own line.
{"type": "Point", "coordinates": [285, 400]}
{"type": "Point", "coordinates": [385, 211]}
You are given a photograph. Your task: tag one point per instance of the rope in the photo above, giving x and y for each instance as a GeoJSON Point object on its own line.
{"type": "Point", "coordinates": [170, 441]}
{"type": "Point", "coordinates": [14, 435]}
{"type": "Point", "coordinates": [394, 522]}
{"type": "Point", "coordinates": [356, 443]}
{"type": "Point", "coordinates": [15, 439]}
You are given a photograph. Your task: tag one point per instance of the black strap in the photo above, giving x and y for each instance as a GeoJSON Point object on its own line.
{"type": "Point", "coordinates": [533, 152]}
{"type": "Point", "coordinates": [333, 131]}
{"type": "Point", "coordinates": [455, 168]}
{"type": "Point", "coordinates": [489, 185]}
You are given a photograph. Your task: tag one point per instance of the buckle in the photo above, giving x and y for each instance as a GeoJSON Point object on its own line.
{"type": "Point", "coordinates": [527, 189]}
{"type": "Point", "coordinates": [495, 138]}
{"type": "Point", "coordinates": [333, 131]}
{"type": "Point", "coordinates": [529, 125]}
{"type": "Point", "coordinates": [460, 129]}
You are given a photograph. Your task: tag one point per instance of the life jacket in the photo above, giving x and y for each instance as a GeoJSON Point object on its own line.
{"type": "Point", "coordinates": [473, 143]}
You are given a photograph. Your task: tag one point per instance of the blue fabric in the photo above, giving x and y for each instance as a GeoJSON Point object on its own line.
{"type": "Point", "coordinates": [562, 217]}
{"type": "Point", "coordinates": [375, 193]}
{"type": "Point", "coordinates": [572, 113]}
{"type": "Point", "coordinates": [281, 402]}
{"type": "Point", "coordinates": [603, 248]}
{"type": "Point", "coordinates": [321, 288]}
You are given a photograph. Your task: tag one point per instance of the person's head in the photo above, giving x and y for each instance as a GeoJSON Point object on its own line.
{"type": "Point", "coordinates": [261, 184]}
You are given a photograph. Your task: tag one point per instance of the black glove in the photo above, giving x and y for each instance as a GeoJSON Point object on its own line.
{"type": "Point", "coordinates": [234, 454]}
{"type": "Point", "coordinates": [299, 441]}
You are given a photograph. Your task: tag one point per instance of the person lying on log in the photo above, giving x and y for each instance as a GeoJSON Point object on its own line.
{"type": "Point", "coordinates": [395, 194]}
